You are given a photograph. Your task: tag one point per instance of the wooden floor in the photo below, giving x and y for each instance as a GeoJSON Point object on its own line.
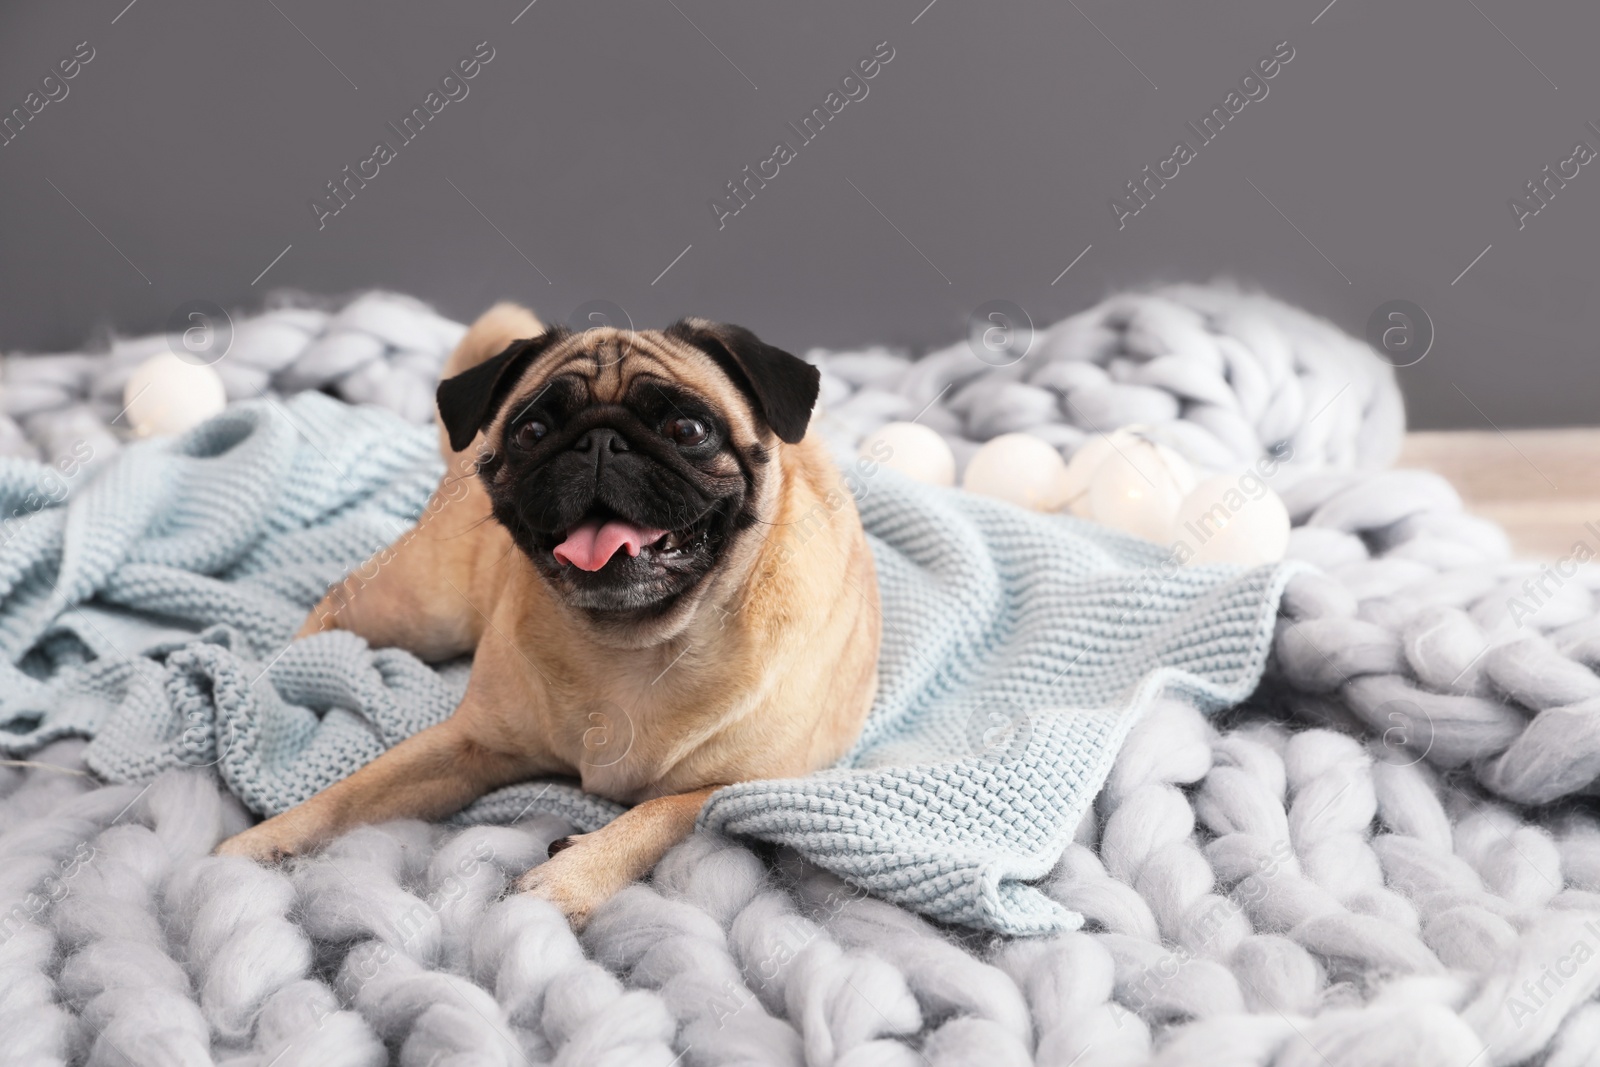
{"type": "Point", "coordinates": [1543, 486]}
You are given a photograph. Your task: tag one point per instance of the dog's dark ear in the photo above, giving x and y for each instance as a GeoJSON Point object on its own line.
{"type": "Point", "coordinates": [783, 387]}
{"type": "Point", "coordinates": [468, 401]}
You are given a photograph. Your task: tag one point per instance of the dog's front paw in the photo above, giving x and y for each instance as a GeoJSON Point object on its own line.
{"type": "Point", "coordinates": [264, 843]}
{"type": "Point", "coordinates": [577, 879]}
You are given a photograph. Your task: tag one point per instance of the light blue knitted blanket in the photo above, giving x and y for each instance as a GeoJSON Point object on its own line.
{"type": "Point", "coordinates": [150, 608]}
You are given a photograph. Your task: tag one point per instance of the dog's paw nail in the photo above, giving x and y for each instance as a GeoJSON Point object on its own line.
{"type": "Point", "coordinates": [558, 844]}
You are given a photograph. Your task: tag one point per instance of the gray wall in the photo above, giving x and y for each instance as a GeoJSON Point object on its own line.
{"type": "Point", "coordinates": [982, 161]}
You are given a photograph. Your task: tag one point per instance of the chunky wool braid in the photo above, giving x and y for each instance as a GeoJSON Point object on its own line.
{"type": "Point", "coordinates": [1351, 887]}
{"type": "Point", "coordinates": [1280, 896]}
{"type": "Point", "coordinates": [1223, 376]}
{"type": "Point", "coordinates": [380, 348]}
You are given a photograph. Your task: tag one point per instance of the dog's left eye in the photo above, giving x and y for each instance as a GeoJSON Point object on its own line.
{"type": "Point", "coordinates": [684, 431]}
{"type": "Point", "coordinates": [529, 433]}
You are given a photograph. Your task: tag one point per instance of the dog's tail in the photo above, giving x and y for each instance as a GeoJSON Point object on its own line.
{"type": "Point", "coordinates": [488, 337]}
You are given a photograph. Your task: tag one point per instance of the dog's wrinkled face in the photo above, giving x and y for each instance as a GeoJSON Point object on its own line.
{"type": "Point", "coordinates": [627, 465]}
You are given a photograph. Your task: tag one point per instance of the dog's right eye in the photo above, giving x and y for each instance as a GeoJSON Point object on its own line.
{"type": "Point", "coordinates": [530, 433]}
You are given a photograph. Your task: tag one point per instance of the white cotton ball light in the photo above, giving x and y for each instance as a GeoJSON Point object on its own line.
{"type": "Point", "coordinates": [914, 450]}
{"type": "Point", "coordinates": [168, 395]}
{"type": "Point", "coordinates": [1081, 469]}
{"type": "Point", "coordinates": [1130, 482]}
{"type": "Point", "coordinates": [1232, 518]}
{"type": "Point", "coordinates": [1021, 468]}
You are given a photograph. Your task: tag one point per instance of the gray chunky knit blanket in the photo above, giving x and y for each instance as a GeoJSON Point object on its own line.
{"type": "Point", "coordinates": [1359, 865]}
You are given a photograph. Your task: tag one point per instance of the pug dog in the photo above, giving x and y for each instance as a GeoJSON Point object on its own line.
{"type": "Point", "coordinates": [659, 573]}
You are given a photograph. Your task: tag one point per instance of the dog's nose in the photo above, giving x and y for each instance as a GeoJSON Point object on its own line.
{"type": "Point", "coordinates": [602, 439]}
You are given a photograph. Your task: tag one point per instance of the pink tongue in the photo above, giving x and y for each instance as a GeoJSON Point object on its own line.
{"type": "Point", "coordinates": [590, 545]}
